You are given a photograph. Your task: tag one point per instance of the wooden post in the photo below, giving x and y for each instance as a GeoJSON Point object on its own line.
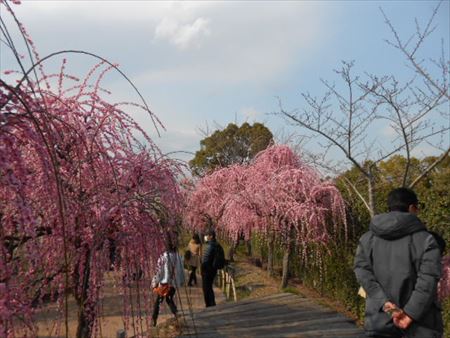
{"type": "Point", "coordinates": [228, 286]}
{"type": "Point", "coordinates": [233, 286]}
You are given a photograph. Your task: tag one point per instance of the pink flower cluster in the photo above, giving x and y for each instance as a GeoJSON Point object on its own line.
{"type": "Point", "coordinates": [80, 195]}
{"type": "Point", "coordinates": [275, 193]}
{"type": "Point", "coordinates": [444, 283]}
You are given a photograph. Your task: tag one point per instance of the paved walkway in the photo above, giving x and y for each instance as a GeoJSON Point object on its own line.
{"type": "Point", "coordinates": [111, 320]}
{"type": "Point", "coordinates": [277, 315]}
{"type": "Point", "coordinates": [192, 302]}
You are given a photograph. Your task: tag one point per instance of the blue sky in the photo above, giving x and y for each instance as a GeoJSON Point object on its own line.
{"type": "Point", "coordinates": [206, 63]}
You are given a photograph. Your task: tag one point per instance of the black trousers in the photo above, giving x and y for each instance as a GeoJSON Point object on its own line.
{"type": "Point", "coordinates": [169, 300]}
{"type": "Point", "coordinates": [192, 276]}
{"type": "Point", "coordinates": [207, 285]}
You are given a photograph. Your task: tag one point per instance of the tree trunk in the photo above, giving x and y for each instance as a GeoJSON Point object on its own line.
{"type": "Point", "coordinates": [231, 254]}
{"type": "Point", "coordinates": [284, 277]}
{"type": "Point", "coordinates": [84, 327]}
{"type": "Point", "coordinates": [248, 243]}
{"type": "Point", "coordinates": [270, 245]}
{"type": "Point", "coordinates": [232, 250]}
{"type": "Point", "coordinates": [286, 259]}
{"type": "Point", "coordinates": [371, 191]}
{"type": "Point", "coordinates": [261, 254]}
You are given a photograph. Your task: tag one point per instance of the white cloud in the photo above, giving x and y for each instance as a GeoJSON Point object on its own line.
{"type": "Point", "coordinates": [182, 35]}
{"type": "Point", "coordinates": [235, 42]}
{"type": "Point", "coordinates": [167, 28]}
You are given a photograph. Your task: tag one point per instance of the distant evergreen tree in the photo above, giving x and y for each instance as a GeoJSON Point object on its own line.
{"type": "Point", "coordinates": [232, 145]}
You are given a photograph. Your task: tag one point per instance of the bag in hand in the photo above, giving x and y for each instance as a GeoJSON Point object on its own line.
{"type": "Point", "coordinates": [162, 290]}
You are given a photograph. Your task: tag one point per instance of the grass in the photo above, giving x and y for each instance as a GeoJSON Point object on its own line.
{"type": "Point", "coordinates": [292, 289]}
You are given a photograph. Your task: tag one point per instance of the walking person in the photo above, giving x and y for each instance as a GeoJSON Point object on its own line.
{"type": "Point", "coordinates": [169, 277]}
{"type": "Point", "coordinates": [195, 249]}
{"type": "Point", "coordinates": [213, 259]}
{"type": "Point", "coordinates": [398, 263]}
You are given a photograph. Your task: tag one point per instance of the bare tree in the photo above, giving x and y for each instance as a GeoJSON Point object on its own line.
{"type": "Point", "coordinates": [343, 118]}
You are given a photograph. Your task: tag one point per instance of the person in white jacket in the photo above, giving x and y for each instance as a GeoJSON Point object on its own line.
{"type": "Point", "coordinates": [169, 276]}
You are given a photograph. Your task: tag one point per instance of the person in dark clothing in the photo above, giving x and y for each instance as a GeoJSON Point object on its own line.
{"type": "Point", "coordinates": [440, 241]}
{"type": "Point", "coordinates": [398, 263]}
{"type": "Point", "coordinates": [208, 270]}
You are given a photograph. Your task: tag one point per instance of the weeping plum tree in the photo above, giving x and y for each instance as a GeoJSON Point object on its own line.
{"type": "Point", "coordinates": [296, 203]}
{"type": "Point", "coordinates": [276, 195]}
{"type": "Point", "coordinates": [212, 196]}
{"type": "Point", "coordinates": [75, 185]}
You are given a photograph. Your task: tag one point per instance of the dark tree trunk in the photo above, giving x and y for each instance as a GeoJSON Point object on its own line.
{"type": "Point", "coordinates": [261, 255]}
{"type": "Point", "coordinates": [84, 327]}
{"type": "Point", "coordinates": [231, 254]}
{"type": "Point", "coordinates": [270, 247]}
{"type": "Point", "coordinates": [286, 259]}
{"type": "Point", "coordinates": [285, 274]}
{"type": "Point", "coordinates": [371, 192]}
{"type": "Point", "coordinates": [232, 250]}
{"type": "Point", "coordinates": [248, 243]}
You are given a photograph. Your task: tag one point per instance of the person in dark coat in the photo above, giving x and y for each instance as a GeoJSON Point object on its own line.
{"type": "Point", "coordinates": [398, 263]}
{"type": "Point", "coordinates": [208, 270]}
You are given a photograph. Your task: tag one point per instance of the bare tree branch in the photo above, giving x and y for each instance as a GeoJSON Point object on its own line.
{"type": "Point", "coordinates": [355, 189]}
{"type": "Point", "coordinates": [429, 169]}
{"type": "Point", "coordinates": [410, 55]}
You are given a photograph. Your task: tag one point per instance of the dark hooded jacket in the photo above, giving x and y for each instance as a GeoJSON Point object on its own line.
{"type": "Point", "coordinates": [208, 257]}
{"type": "Point", "coordinates": [397, 260]}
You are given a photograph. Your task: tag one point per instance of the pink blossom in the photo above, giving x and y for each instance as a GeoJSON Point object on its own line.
{"type": "Point", "coordinates": [444, 283]}
{"type": "Point", "coordinates": [275, 193]}
{"type": "Point", "coordinates": [76, 183]}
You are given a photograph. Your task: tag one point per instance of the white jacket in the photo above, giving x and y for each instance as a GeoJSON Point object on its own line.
{"type": "Point", "coordinates": [169, 270]}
